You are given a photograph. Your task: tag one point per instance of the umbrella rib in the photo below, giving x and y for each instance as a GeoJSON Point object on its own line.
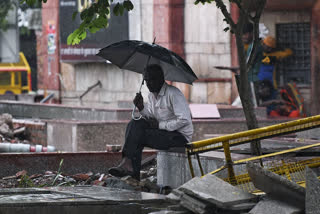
{"type": "Point", "coordinates": [128, 58]}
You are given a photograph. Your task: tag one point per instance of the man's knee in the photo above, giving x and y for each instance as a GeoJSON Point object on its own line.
{"type": "Point", "coordinates": [138, 123]}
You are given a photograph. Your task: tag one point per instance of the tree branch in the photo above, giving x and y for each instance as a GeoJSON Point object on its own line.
{"type": "Point", "coordinates": [247, 14]}
{"type": "Point", "coordinates": [256, 18]}
{"type": "Point", "coordinates": [226, 14]}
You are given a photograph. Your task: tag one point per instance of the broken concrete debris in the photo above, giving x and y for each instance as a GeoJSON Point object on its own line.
{"type": "Point", "coordinates": [268, 205]}
{"type": "Point", "coordinates": [312, 192]}
{"type": "Point", "coordinates": [15, 139]}
{"type": "Point", "coordinates": [210, 194]}
{"type": "Point", "coordinates": [276, 186]}
{"type": "Point", "coordinates": [216, 191]}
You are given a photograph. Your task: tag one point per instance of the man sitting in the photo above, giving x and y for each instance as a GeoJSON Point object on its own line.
{"type": "Point", "coordinates": [166, 123]}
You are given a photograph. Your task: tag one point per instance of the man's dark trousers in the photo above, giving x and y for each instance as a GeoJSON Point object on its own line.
{"type": "Point", "coordinates": [139, 134]}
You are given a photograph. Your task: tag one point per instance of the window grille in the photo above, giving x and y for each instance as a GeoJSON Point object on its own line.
{"type": "Point", "coordinates": [297, 68]}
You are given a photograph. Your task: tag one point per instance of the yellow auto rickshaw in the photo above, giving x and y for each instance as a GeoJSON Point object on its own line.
{"type": "Point", "coordinates": [15, 78]}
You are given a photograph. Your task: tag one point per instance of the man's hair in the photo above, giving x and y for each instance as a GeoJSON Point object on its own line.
{"type": "Point", "coordinates": [247, 28]}
{"type": "Point", "coordinates": [155, 70]}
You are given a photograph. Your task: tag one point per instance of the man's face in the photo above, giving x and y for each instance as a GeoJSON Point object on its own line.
{"type": "Point", "coordinates": [266, 48]}
{"type": "Point", "coordinates": [247, 38]}
{"type": "Point", "coordinates": [154, 83]}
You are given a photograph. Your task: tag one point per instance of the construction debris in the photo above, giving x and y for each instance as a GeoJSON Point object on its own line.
{"type": "Point", "coordinates": [148, 181]}
{"type": "Point", "coordinates": [210, 194]}
{"type": "Point", "coordinates": [312, 192]}
{"type": "Point", "coordinates": [268, 205]}
{"type": "Point", "coordinates": [276, 186]}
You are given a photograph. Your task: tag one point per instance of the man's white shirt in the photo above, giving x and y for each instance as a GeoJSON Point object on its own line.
{"type": "Point", "coordinates": [171, 110]}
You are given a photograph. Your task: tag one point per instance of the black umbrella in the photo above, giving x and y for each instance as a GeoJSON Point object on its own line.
{"type": "Point", "coordinates": [136, 55]}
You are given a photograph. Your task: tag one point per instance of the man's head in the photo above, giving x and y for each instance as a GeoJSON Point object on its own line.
{"type": "Point", "coordinates": [154, 78]}
{"type": "Point", "coordinates": [268, 44]}
{"type": "Point", "coordinates": [247, 33]}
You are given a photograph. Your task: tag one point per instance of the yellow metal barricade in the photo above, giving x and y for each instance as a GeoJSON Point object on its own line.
{"type": "Point", "coordinates": [227, 141]}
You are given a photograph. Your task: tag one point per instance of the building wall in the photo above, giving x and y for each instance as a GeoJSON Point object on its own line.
{"type": "Point", "coordinates": [207, 46]}
{"type": "Point", "coordinates": [118, 86]}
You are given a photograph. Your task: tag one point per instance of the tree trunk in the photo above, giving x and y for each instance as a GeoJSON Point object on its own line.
{"type": "Point", "coordinates": [244, 89]}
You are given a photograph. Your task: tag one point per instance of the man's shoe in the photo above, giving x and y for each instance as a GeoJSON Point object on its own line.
{"type": "Point", "coordinates": [119, 172]}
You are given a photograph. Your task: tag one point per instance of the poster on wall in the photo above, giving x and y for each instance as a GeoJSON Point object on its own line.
{"type": "Point", "coordinates": [118, 30]}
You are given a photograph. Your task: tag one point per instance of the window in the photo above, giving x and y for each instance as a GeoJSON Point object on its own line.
{"type": "Point", "coordinates": [297, 68]}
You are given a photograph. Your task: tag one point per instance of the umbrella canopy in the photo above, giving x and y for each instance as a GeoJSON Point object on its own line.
{"type": "Point", "coordinates": [135, 55]}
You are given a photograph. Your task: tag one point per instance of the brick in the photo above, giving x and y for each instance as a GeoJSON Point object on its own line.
{"type": "Point", "coordinates": [113, 148]}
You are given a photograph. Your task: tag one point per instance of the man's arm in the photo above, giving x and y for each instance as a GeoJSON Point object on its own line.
{"type": "Point", "coordinates": [181, 111]}
{"type": "Point", "coordinates": [145, 110]}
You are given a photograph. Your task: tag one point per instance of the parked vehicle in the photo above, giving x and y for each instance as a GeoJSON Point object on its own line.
{"type": "Point", "coordinates": [15, 78]}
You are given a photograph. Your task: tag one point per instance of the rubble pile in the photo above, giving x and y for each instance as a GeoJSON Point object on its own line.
{"type": "Point", "coordinates": [212, 195]}
{"type": "Point", "coordinates": [10, 134]}
{"type": "Point", "coordinates": [148, 181]}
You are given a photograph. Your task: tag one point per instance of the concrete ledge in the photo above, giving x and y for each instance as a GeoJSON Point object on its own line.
{"type": "Point", "coordinates": [77, 136]}
{"type": "Point", "coordinates": [38, 163]}
{"type": "Point", "coordinates": [52, 111]}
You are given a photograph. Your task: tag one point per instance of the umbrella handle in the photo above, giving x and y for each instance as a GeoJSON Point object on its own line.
{"type": "Point", "coordinates": [135, 107]}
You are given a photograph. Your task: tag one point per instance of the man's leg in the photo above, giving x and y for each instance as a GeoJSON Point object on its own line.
{"type": "Point", "coordinates": [132, 149]}
{"type": "Point", "coordinates": [158, 139]}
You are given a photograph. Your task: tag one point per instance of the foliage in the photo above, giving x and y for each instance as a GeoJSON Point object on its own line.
{"type": "Point", "coordinates": [58, 173]}
{"type": "Point", "coordinates": [93, 18]}
{"type": "Point", "coordinates": [25, 182]}
{"type": "Point", "coordinates": [5, 6]}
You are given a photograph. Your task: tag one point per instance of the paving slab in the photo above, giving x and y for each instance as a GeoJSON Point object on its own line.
{"type": "Point", "coordinates": [312, 192]}
{"type": "Point", "coordinates": [216, 191]}
{"type": "Point", "coordinates": [196, 205]}
{"type": "Point", "coordinates": [91, 199]}
{"type": "Point", "coordinates": [276, 186]}
{"type": "Point", "coordinates": [268, 205]}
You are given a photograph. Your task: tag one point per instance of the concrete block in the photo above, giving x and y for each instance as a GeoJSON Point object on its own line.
{"type": "Point", "coordinates": [269, 205]}
{"type": "Point", "coordinates": [209, 189]}
{"type": "Point", "coordinates": [312, 192]}
{"type": "Point", "coordinates": [173, 168]}
{"type": "Point", "coordinates": [277, 186]}
{"type": "Point", "coordinates": [196, 205]}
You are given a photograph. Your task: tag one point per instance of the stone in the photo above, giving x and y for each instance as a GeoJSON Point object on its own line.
{"type": "Point", "coordinates": [268, 205]}
{"type": "Point", "coordinates": [113, 148]}
{"type": "Point", "coordinates": [276, 186]}
{"type": "Point", "coordinates": [175, 195]}
{"type": "Point", "coordinates": [312, 192]}
{"type": "Point", "coordinates": [216, 191]}
{"type": "Point", "coordinates": [196, 205]}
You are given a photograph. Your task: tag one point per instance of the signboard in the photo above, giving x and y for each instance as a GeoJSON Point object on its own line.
{"type": "Point", "coordinates": [87, 49]}
{"type": "Point", "coordinates": [9, 38]}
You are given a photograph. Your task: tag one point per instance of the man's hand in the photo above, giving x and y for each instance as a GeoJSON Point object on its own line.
{"type": "Point", "coordinates": [153, 123]}
{"type": "Point", "coordinates": [138, 101]}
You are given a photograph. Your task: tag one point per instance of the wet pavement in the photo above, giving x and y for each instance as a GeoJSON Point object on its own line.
{"type": "Point", "coordinates": [84, 199]}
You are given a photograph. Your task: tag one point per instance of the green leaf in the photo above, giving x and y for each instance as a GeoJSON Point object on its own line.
{"type": "Point", "coordinates": [226, 29]}
{"type": "Point", "coordinates": [72, 36]}
{"type": "Point", "coordinates": [75, 13]}
{"type": "Point", "coordinates": [116, 9]}
{"type": "Point", "coordinates": [121, 9]}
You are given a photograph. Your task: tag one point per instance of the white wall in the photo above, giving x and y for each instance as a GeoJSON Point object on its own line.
{"type": "Point", "coordinates": [206, 46]}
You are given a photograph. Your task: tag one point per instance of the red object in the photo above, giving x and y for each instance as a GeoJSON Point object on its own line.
{"type": "Point", "coordinates": [32, 149]}
{"type": "Point", "coordinates": [44, 149]}
{"type": "Point", "coordinates": [294, 113]}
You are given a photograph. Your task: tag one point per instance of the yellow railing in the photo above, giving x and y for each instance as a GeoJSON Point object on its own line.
{"type": "Point", "coordinates": [227, 141]}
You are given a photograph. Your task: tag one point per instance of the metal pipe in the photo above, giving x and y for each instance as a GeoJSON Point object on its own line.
{"type": "Point", "coordinates": [20, 147]}
{"type": "Point", "coordinates": [90, 88]}
{"type": "Point", "coordinates": [47, 98]}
